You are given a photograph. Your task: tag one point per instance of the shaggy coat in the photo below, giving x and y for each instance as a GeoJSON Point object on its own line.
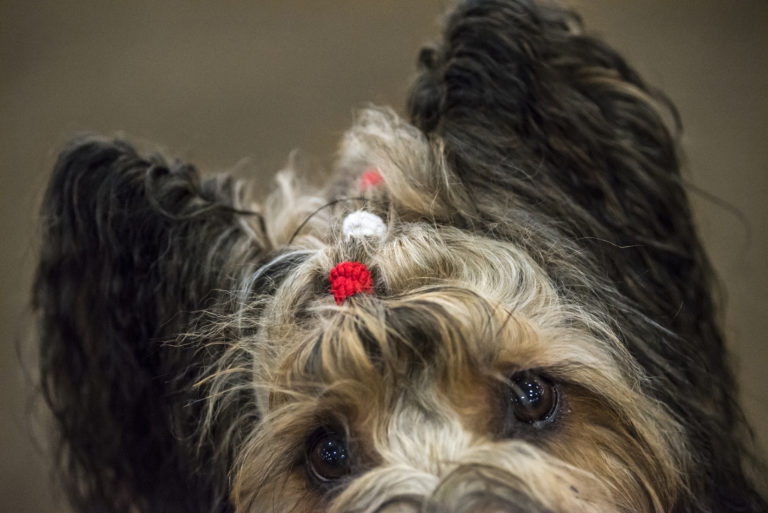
{"type": "Point", "coordinates": [191, 353]}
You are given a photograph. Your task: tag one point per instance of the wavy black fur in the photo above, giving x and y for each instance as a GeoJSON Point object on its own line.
{"type": "Point", "coordinates": [133, 248]}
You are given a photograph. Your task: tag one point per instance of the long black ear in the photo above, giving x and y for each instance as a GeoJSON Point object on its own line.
{"type": "Point", "coordinates": [132, 248]}
{"type": "Point", "coordinates": [529, 106]}
{"type": "Point", "coordinates": [550, 128]}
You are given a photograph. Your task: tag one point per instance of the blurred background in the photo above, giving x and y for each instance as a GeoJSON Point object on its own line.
{"type": "Point", "coordinates": [221, 84]}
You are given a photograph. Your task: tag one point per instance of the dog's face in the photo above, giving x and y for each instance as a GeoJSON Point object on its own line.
{"type": "Point", "coordinates": [463, 383]}
{"type": "Point", "coordinates": [538, 333]}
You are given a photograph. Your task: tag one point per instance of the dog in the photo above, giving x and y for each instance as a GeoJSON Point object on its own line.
{"type": "Point", "coordinates": [499, 304]}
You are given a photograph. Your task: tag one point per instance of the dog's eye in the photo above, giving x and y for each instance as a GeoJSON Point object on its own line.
{"type": "Point", "coordinates": [534, 399]}
{"type": "Point", "coordinates": [327, 456]}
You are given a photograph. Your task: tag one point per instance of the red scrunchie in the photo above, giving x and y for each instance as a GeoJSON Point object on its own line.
{"type": "Point", "coordinates": [349, 278]}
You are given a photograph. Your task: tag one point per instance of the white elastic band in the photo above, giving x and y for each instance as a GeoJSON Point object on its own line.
{"type": "Point", "coordinates": [363, 224]}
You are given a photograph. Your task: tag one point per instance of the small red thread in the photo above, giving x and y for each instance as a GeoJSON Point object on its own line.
{"type": "Point", "coordinates": [349, 278]}
{"type": "Point", "coordinates": [371, 178]}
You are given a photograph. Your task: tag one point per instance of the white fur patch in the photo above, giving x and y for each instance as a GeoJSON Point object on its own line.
{"type": "Point", "coordinates": [363, 224]}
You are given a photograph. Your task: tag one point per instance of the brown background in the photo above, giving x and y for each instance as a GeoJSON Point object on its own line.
{"type": "Point", "coordinates": [216, 82]}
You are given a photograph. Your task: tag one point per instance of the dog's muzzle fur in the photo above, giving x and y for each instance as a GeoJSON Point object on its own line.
{"type": "Point", "coordinates": [541, 334]}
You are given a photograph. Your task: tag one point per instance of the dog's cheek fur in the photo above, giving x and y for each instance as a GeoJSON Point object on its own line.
{"type": "Point", "coordinates": [132, 249]}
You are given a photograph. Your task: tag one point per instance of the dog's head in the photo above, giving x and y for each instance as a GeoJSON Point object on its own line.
{"type": "Point", "coordinates": [538, 334]}
{"type": "Point", "coordinates": [463, 382]}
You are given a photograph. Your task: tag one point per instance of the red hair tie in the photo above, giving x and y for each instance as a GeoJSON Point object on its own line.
{"type": "Point", "coordinates": [349, 278]}
{"type": "Point", "coordinates": [370, 178]}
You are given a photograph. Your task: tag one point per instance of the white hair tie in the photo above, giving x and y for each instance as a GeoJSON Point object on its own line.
{"type": "Point", "coordinates": [363, 224]}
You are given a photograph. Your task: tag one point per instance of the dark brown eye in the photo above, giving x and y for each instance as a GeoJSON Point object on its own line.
{"type": "Point", "coordinates": [327, 456]}
{"type": "Point", "coordinates": [533, 398]}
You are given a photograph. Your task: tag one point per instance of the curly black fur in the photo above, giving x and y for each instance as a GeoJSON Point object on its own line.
{"type": "Point", "coordinates": [548, 124]}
